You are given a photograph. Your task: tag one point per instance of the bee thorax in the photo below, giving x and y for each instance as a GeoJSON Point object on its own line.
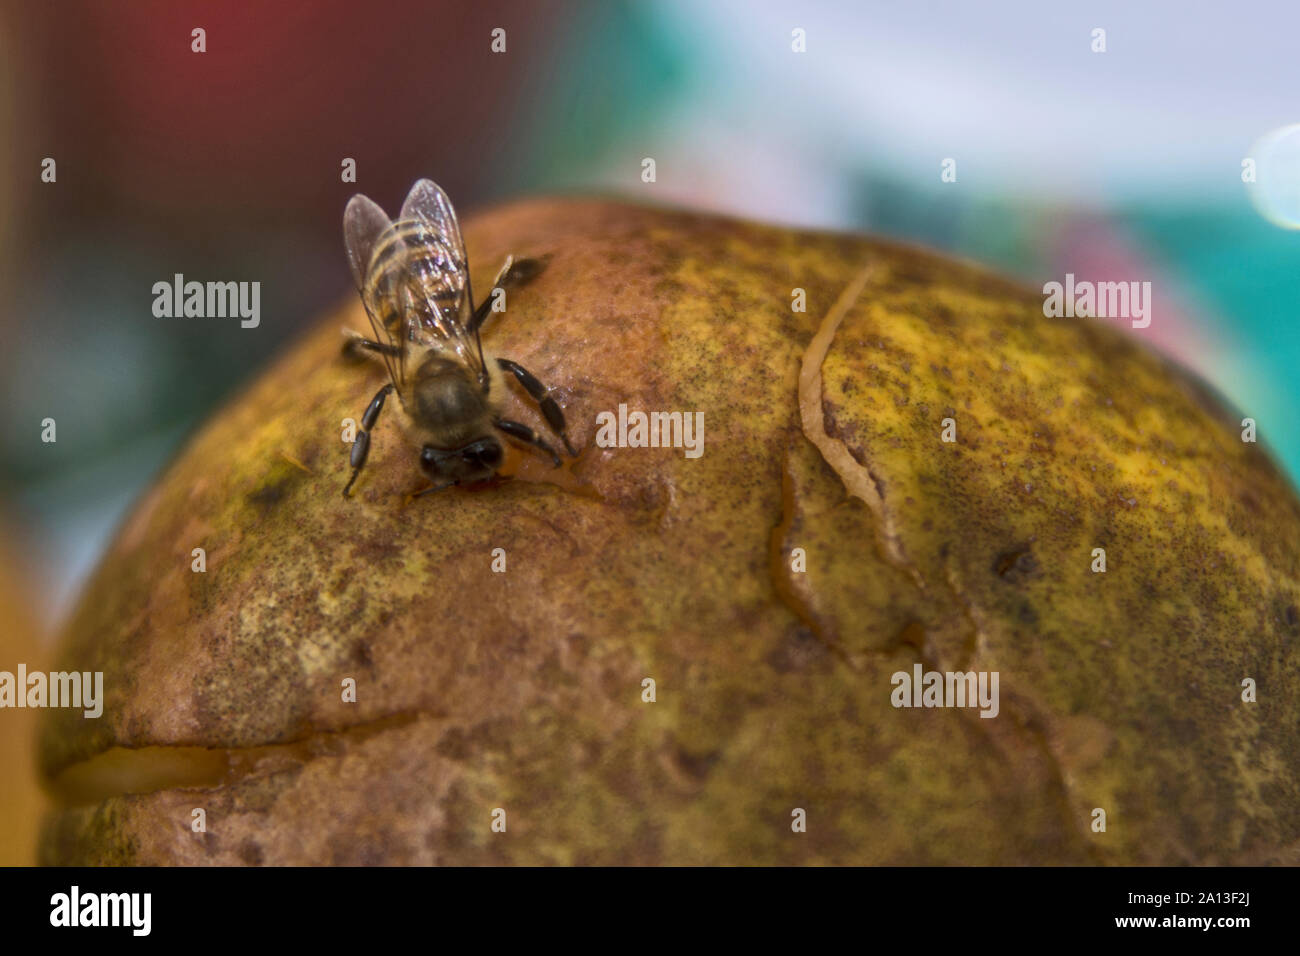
{"type": "Point", "coordinates": [450, 405]}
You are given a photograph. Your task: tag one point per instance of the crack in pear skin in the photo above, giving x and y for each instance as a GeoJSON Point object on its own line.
{"type": "Point", "coordinates": [794, 594]}
{"type": "Point", "coordinates": [861, 482]}
{"type": "Point", "coordinates": [858, 478]}
{"type": "Point", "coordinates": [120, 771]}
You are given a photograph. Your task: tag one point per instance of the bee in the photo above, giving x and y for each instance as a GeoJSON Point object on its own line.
{"type": "Point", "coordinates": [413, 278]}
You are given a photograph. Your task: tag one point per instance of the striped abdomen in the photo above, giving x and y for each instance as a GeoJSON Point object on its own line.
{"type": "Point", "coordinates": [413, 271]}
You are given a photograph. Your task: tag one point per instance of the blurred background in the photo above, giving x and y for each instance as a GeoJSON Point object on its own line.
{"type": "Point", "coordinates": [1124, 164]}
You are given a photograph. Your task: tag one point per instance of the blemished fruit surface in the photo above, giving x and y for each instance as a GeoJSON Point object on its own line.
{"type": "Point", "coordinates": [525, 691]}
{"type": "Point", "coordinates": [21, 800]}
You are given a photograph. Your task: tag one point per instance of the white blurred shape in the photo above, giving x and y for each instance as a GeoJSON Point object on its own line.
{"type": "Point", "coordinates": [1276, 190]}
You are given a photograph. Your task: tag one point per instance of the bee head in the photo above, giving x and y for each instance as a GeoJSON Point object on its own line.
{"type": "Point", "coordinates": [476, 461]}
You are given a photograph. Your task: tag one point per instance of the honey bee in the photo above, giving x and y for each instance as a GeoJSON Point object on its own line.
{"type": "Point", "coordinates": [414, 281]}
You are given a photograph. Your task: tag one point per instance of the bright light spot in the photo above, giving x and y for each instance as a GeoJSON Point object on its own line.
{"type": "Point", "coordinates": [1276, 190]}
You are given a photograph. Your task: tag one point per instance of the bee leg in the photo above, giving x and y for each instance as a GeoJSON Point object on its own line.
{"type": "Point", "coordinates": [361, 447]}
{"type": "Point", "coordinates": [513, 272]}
{"type": "Point", "coordinates": [431, 489]}
{"type": "Point", "coordinates": [550, 407]}
{"type": "Point", "coordinates": [355, 345]}
{"type": "Point", "coordinates": [526, 434]}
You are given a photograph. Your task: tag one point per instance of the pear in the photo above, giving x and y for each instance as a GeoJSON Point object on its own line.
{"type": "Point", "coordinates": [649, 658]}
{"type": "Point", "coordinates": [21, 800]}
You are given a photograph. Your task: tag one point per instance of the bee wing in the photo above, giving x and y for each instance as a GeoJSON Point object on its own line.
{"type": "Point", "coordinates": [364, 225]}
{"type": "Point", "coordinates": [428, 204]}
{"type": "Point", "coordinates": [428, 223]}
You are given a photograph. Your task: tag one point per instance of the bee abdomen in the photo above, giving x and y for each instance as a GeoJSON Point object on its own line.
{"type": "Point", "coordinates": [408, 259]}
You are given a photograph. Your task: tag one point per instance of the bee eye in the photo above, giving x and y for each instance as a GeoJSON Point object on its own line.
{"type": "Point", "coordinates": [430, 461]}
{"type": "Point", "coordinates": [489, 453]}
